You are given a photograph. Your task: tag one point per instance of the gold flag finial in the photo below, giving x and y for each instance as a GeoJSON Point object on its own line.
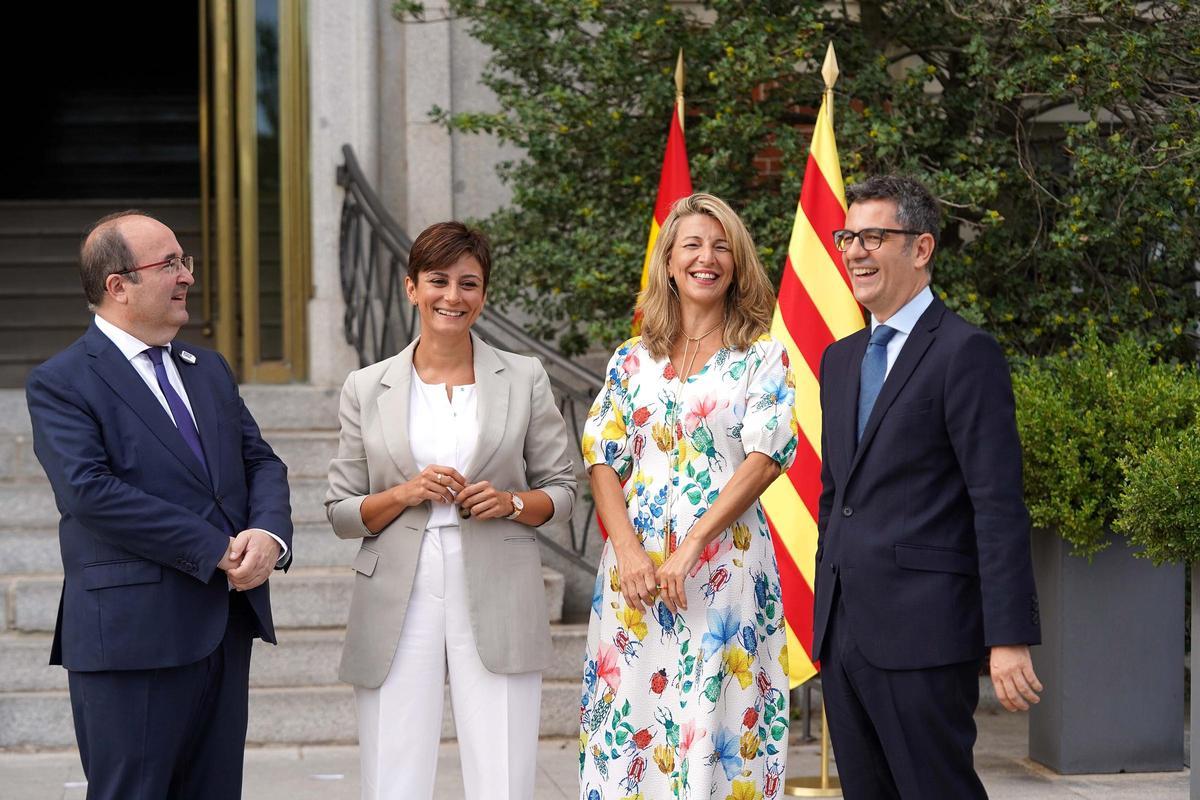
{"type": "Point", "coordinates": [679, 87]}
{"type": "Point", "coordinates": [829, 71]}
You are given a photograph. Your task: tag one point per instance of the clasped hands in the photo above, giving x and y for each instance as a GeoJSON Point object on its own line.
{"type": "Point", "coordinates": [249, 559]}
{"type": "Point", "coordinates": [446, 485]}
{"type": "Point", "coordinates": [641, 581]}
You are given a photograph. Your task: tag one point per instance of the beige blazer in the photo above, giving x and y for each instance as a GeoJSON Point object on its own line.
{"type": "Point", "coordinates": [523, 445]}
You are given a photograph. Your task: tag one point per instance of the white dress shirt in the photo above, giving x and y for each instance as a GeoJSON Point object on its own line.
{"type": "Point", "coordinates": [903, 321]}
{"type": "Point", "coordinates": [442, 431]}
{"type": "Point", "coordinates": [134, 350]}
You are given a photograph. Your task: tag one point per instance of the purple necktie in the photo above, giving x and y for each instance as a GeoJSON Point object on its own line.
{"type": "Point", "coordinates": [183, 419]}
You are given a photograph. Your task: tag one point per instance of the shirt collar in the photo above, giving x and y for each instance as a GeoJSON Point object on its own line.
{"type": "Point", "coordinates": [906, 318]}
{"type": "Point", "coordinates": [129, 345]}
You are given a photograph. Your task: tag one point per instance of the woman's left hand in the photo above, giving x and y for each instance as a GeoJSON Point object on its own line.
{"type": "Point", "coordinates": [485, 501]}
{"type": "Point", "coordinates": [674, 571]}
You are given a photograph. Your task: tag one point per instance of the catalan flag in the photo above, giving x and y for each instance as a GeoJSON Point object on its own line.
{"type": "Point", "coordinates": [815, 307]}
{"type": "Point", "coordinates": [674, 183]}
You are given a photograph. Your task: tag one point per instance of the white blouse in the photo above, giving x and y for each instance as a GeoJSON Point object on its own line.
{"type": "Point", "coordinates": [442, 431]}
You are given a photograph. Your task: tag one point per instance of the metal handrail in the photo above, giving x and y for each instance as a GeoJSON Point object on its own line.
{"type": "Point", "coordinates": [379, 322]}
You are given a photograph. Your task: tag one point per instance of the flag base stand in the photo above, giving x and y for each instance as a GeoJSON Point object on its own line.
{"type": "Point", "coordinates": [811, 786]}
{"type": "Point", "coordinates": [823, 785]}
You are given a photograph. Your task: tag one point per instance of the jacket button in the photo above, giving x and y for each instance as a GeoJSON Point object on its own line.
{"type": "Point", "coordinates": [847, 511]}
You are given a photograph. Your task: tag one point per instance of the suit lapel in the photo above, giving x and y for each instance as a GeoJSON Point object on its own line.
{"type": "Point", "coordinates": [491, 392]}
{"type": "Point", "coordinates": [918, 342]}
{"type": "Point", "coordinates": [115, 370]}
{"type": "Point", "coordinates": [204, 409]}
{"type": "Point", "coordinates": [392, 405]}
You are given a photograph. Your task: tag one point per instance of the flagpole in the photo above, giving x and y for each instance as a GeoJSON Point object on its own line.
{"type": "Point", "coordinates": [823, 785]}
{"type": "Point", "coordinates": [679, 88]}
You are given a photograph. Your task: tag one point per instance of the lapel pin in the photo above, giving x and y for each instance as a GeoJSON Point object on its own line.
{"type": "Point", "coordinates": [188, 357]}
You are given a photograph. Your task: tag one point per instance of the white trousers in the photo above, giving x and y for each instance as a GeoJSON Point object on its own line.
{"type": "Point", "coordinates": [495, 716]}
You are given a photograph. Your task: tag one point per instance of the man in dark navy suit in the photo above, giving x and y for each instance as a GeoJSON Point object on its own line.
{"type": "Point", "coordinates": [174, 513]}
{"type": "Point", "coordinates": [923, 557]}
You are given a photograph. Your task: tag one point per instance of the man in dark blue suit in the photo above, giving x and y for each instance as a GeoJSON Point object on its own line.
{"type": "Point", "coordinates": [174, 513]}
{"type": "Point", "coordinates": [923, 557]}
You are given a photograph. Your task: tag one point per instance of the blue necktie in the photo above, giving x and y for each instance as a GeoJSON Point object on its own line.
{"type": "Point", "coordinates": [183, 419]}
{"type": "Point", "coordinates": [874, 370]}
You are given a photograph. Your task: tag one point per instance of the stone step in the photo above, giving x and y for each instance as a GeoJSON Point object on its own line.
{"type": "Point", "coordinates": [14, 413]}
{"type": "Point", "coordinates": [37, 272]}
{"type": "Point", "coordinates": [306, 453]}
{"type": "Point", "coordinates": [303, 598]}
{"type": "Point", "coordinates": [302, 658]}
{"type": "Point", "coordinates": [291, 716]}
{"type": "Point", "coordinates": [308, 715]}
{"type": "Point", "coordinates": [34, 244]}
{"type": "Point", "coordinates": [29, 503]}
{"type": "Point", "coordinates": [58, 307]}
{"type": "Point", "coordinates": [293, 407]}
{"type": "Point", "coordinates": [276, 408]}
{"type": "Point", "coordinates": [35, 551]}
{"type": "Point", "coordinates": [34, 342]}
{"type": "Point", "coordinates": [17, 459]}
{"type": "Point", "coordinates": [73, 216]}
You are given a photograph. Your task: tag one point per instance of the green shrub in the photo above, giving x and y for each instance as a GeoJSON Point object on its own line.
{"type": "Point", "coordinates": [1088, 417]}
{"type": "Point", "coordinates": [1049, 227]}
{"type": "Point", "coordinates": [1159, 509]}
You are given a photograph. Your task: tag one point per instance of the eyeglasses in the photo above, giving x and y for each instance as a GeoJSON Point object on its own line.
{"type": "Point", "coordinates": [871, 238]}
{"type": "Point", "coordinates": [171, 266]}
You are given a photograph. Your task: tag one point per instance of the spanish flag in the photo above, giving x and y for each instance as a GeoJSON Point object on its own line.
{"type": "Point", "coordinates": [815, 308]}
{"type": "Point", "coordinates": [674, 183]}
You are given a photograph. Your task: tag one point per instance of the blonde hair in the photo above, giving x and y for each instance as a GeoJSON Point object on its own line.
{"type": "Point", "coordinates": [749, 303]}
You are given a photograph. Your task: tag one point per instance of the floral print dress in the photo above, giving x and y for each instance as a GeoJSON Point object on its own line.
{"type": "Point", "coordinates": [690, 705]}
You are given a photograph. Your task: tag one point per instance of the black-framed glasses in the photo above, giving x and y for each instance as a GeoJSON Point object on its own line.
{"type": "Point", "coordinates": [171, 265]}
{"type": "Point", "coordinates": [870, 238]}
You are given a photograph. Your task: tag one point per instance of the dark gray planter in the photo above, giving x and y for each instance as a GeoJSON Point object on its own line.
{"type": "Point", "coordinates": [1111, 661]}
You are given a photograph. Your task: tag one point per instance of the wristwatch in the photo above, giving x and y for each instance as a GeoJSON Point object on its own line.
{"type": "Point", "coordinates": [518, 506]}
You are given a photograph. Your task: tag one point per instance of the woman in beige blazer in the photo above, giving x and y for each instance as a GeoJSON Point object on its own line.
{"type": "Point", "coordinates": [451, 453]}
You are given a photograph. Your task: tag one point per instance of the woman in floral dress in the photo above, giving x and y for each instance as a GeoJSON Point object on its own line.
{"type": "Point", "coordinates": [685, 686]}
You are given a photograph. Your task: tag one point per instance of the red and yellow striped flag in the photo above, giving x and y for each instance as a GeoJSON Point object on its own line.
{"type": "Point", "coordinates": [674, 183]}
{"type": "Point", "coordinates": [815, 307]}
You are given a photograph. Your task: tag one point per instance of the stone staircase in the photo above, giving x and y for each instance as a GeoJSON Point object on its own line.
{"type": "Point", "coordinates": [295, 697]}
{"type": "Point", "coordinates": [42, 308]}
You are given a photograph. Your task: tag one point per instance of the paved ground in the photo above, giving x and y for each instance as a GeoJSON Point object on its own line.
{"type": "Point", "coordinates": [331, 773]}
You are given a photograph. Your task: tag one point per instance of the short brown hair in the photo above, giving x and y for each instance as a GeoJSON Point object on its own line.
{"type": "Point", "coordinates": [443, 244]}
{"type": "Point", "coordinates": [916, 207]}
{"type": "Point", "coordinates": [104, 252]}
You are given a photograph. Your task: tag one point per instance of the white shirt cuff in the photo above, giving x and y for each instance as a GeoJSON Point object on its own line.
{"type": "Point", "coordinates": [283, 548]}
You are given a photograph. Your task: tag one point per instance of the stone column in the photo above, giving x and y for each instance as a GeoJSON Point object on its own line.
{"type": "Point", "coordinates": [343, 109]}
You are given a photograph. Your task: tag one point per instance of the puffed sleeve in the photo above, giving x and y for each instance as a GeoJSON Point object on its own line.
{"type": "Point", "coordinates": [770, 425]}
{"type": "Point", "coordinates": [605, 434]}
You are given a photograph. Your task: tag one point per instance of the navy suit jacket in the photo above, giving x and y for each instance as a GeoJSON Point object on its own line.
{"type": "Point", "coordinates": [923, 523]}
{"type": "Point", "coordinates": [143, 524]}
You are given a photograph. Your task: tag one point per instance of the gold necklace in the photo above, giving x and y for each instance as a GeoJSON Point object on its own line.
{"type": "Point", "coordinates": [669, 534]}
{"type": "Point", "coordinates": [687, 344]}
